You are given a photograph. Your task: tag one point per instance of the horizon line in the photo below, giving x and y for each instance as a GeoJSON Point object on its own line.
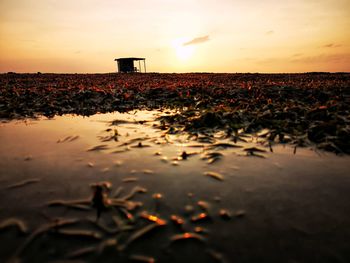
{"type": "Point", "coordinates": [193, 72]}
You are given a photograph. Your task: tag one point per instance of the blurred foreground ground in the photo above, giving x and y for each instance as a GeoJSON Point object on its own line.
{"type": "Point", "coordinates": [228, 199]}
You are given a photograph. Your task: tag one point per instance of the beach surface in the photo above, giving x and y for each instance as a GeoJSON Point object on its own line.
{"type": "Point", "coordinates": [165, 197]}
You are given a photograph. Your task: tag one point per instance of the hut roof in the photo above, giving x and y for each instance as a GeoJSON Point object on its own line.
{"type": "Point", "coordinates": [132, 58]}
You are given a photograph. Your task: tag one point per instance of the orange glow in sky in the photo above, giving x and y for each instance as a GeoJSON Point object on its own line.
{"type": "Point", "coordinates": [175, 35]}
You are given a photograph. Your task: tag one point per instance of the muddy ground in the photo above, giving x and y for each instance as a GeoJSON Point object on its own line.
{"type": "Point", "coordinates": [253, 169]}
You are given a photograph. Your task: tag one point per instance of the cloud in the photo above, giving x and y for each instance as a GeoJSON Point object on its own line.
{"type": "Point", "coordinates": [332, 45]}
{"type": "Point", "coordinates": [323, 58]}
{"type": "Point", "coordinates": [269, 32]}
{"type": "Point", "coordinates": [197, 40]}
{"type": "Point", "coordinates": [300, 58]}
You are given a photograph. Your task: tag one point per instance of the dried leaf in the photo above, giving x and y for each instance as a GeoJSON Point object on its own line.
{"type": "Point", "coordinates": [186, 236]}
{"type": "Point", "coordinates": [24, 183]}
{"type": "Point", "coordinates": [98, 148]}
{"type": "Point", "coordinates": [138, 234]}
{"type": "Point", "coordinates": [214, 175]}
{"type": "Point", "coordinates": [141, 258]}
{"type": "Point", "coordinates": [14, 222]}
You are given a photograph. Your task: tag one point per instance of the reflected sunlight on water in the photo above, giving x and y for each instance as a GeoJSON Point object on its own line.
{"type": "Point", "coordinates": [45, 164]}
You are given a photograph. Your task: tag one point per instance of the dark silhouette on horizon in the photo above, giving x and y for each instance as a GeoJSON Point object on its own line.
{"type": "Point", "coordinates": [126, 65]}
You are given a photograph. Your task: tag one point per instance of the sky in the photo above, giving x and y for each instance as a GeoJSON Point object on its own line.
{"type": "Point", "coordinates": [85, 36]}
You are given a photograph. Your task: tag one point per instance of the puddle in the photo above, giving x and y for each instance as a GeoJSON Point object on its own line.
{"type": "Point", "coordinates": [247, 190]}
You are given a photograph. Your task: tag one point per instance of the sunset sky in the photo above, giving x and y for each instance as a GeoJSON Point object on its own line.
{"type": "Point", "coordinates": [175, 35]}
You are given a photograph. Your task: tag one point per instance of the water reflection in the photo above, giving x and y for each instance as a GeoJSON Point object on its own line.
{"type": "Point", "coordinates": [143, 177]}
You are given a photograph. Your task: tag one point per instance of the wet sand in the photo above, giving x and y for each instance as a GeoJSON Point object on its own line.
{"type": "Point", "coordinates": [237, 205]}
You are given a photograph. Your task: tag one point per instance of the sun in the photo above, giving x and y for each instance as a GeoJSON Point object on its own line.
{"type": "Point", "coordinates": [183, 53]}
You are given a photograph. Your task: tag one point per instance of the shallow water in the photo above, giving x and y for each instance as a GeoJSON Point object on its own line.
{"type": "Point", "coordinates": [280, 206]}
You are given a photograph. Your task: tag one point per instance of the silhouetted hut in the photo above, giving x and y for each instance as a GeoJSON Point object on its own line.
{"type": "Point", "coordinates": [126, 65]}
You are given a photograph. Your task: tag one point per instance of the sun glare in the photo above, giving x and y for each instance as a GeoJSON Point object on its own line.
{"type": "Point", "coordinates": [183, 53]}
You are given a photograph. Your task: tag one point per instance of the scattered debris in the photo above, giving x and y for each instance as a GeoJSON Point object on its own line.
{"type": "Point", "coordinates": [225, 214]}
{"type": "Point", "coordinates": [214, 175]}
{"type": "Point", "coordinates": [130, 179]}
{"type": "Point", "coordinates": [100, 198]}
{"type": "Point", "coordinates": [157, 196]}
{"type": "Point", "coordinates": [239, 213]}
{"type": "Point", "coordinates": [212, 157]}
{"type": "Point", "coordinates": [14, 222]}
{"type": "Point", "coordinates": [200, 230]}
{"type": "Point", "coordinates": [68, 139]}
{"type": "Point", "coordinates": [138, 234]}
{"type": "Point", "coordinates": [79, 233]}
{"type": "Point", "coordinates": [278, 108]}
{"type": "Point", "coordinates": [153, 218]}
{"type": "Point", "coordinates": [200, 217]}
{"type": "Point", "coordinates": [186, 236]}
{"type": "Point", "coordinates": [177, 220]}
{"type": "Point", "coordinates": [141, 258]}
{"type": "Point", "coordinates": [98, 148]}
{"type": "Point", "coordinates": [203, 205]}
{"type": "Point", "coordinates": [24, 183]}
{"type": "Point", "coordinates": [28, 158]}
